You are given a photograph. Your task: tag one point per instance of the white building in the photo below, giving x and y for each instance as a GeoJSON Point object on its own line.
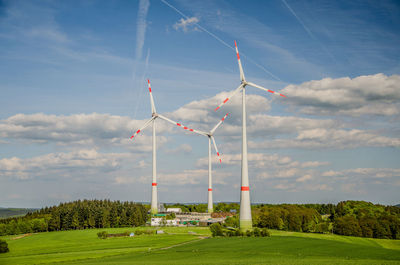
{"type": "Point", "coordinates": [156, 221]}
{"type": "Point", "coordinates": [174, 210]}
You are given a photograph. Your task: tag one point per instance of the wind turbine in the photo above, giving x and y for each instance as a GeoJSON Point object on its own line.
{"type": "Point", "coordinates": [210, 136]}
{"type": "Point", "coordinates": [245, 221]}
{"type": "Point", "coordinates": [154, 116]}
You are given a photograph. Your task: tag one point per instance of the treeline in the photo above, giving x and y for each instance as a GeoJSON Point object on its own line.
{"type": "Point", "coordinates": [358, 218]}
{"type": "Point", "coordinates": [351, 218]}
{"type": "Point", "coordinates": [77, 215]}
{"type": "Point", "coordinates": [289, 217]}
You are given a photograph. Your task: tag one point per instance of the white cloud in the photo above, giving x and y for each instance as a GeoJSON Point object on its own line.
{"type": "Point", "coordinates": [364, 173]}
{"type": "Point", "coordinates": [304, 178]}
{"type": "Point", "coordinates": [329, 138]}
{"type": "Point", "coordinates": [81, 129]}
{"type": "Point", "coordinates": [65, 164]}
{"type": "Point", "coordinates": [187, 25]}
{"type": "Point", "coordinates": [370, 94]}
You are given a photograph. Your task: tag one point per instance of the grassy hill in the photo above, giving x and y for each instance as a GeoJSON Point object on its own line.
{"type": "Point", "coordinates": [181, 247]}
{"type": "Point", "coordinates": [14, 212]}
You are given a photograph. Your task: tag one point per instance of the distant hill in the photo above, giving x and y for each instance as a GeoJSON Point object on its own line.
{"type": "Point", "coordinates": [14, 212]}
{"type": "Point", "coordinates": [398, 205]}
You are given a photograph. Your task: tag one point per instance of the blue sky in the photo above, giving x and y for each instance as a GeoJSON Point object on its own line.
{"type": "Point", "coordinates": [73, 89]}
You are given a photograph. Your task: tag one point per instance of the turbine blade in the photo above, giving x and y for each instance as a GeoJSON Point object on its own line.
{"type": "Point", "coordinates": [153, 107]}
{"type": "Point", "coordinates": [268, 90]}
{"type": "Point", "coordinates": [229, 97]}
{"type": "Point", "coordinates": [147, 123]}
{"type": "Point", "coordinates": [181, 125]}
{"type": "Point", "coordinates": [219, 123]}
{"type": "Point", "coordinates": [240, 64]}
{"type": "Point", "coordinates": [216, 149]}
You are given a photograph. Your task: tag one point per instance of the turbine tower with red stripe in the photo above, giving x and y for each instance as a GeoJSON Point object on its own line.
{"type": "Point", "coordinates": [210, 136]}
{"type": "Point", "coordinates": [245, 207]}
{"type": "Point", "coordinates": [154, 116]}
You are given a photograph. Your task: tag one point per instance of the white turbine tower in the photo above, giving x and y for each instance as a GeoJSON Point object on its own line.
{"type": "Point", "coordinates": [245, 207]}
{"type": "Point", "coordinates": [154, 116]}
{"type": "Point", "coordinates": [210, 136]}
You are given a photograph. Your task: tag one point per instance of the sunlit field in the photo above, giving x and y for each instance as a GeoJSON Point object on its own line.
{"type": "Point", "coordinates": [194, 246]}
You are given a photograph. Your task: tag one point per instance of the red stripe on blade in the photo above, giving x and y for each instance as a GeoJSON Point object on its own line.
{"type": "Point", "coordinates": [216, 109]}
{"type": "Point", "coordinates": [226, 100]}
{"type": "Point", "coordinates": [238, 56]}
{"type": "Point", "coordinates": [282, 95]}
{"type": "Point", "coordinates": [138, 131]}
{"type": "Point", "coordinates": [179, 124]}
{"type": "Point", "coordinates": [185, 128]}
{"type": "Point", "coordinates": [244, 188]}
{"type": "Point", "coordinates": [191, 130]}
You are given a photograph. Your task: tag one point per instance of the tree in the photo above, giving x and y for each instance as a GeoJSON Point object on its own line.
{"type": "Point", "coordinates": [216, 229]}
{"type": "Point", "coordinates": [3, 246]}
{"type": "Point", "coordinates": [348, 226]}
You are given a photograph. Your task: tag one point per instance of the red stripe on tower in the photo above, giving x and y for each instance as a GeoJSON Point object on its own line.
{"type": "Point", "coordinates": [245, 188]}
{"type": "Point", "coordinates": [148, 81]}
{"type": "Point", "coordinates": [209, 189]}
{"type": "Point", "coordinates": [153, 184]}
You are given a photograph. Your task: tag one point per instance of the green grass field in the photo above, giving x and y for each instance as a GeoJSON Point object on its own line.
{"type": "Point", "coordinates": [181, 247]}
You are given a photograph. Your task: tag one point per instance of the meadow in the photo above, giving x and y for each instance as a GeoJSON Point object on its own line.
{"type": "Point", "coordinates": [192, 246]}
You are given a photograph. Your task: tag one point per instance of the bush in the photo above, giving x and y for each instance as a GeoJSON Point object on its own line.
{"type": "Point", "coordinates": [249, 233]}
{"type": "Point", "coordinates": [102, 235]}
{"type": "Point", "coordinates": [216, 230]}
{"type": "Point", "coordinates": [265, 233]}
{"type": "Point", "coordinates": [256, 232]}
{"type": "Point", "coordinates": [3, 246]}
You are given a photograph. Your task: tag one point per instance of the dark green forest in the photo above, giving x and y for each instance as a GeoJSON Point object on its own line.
{"type": "Point", "coordinates": [77, 215]}
{"type": "Point", "coordinates": [350, 218]}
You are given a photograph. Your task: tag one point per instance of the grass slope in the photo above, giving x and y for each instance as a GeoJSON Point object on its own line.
{"type": "Point", "coordinates": [73, 245]}
{"type": "Point", "coordinates": [83, 247]}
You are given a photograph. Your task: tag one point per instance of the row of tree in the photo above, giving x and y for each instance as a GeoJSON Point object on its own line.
{"type": "Point", "coordinates": [77, 215]}
{"type": "Point", "coordinates": [352, 218]}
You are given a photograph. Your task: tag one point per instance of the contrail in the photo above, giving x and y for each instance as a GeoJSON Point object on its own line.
{"type": "Point", "coordinates": [141, 25]}
{"type": "Point", "coordinates": [308, 30]}
{"type": "Point", "coordinates": [299, 20]}
{"type": "Point", "coordinates": [221, 40]}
